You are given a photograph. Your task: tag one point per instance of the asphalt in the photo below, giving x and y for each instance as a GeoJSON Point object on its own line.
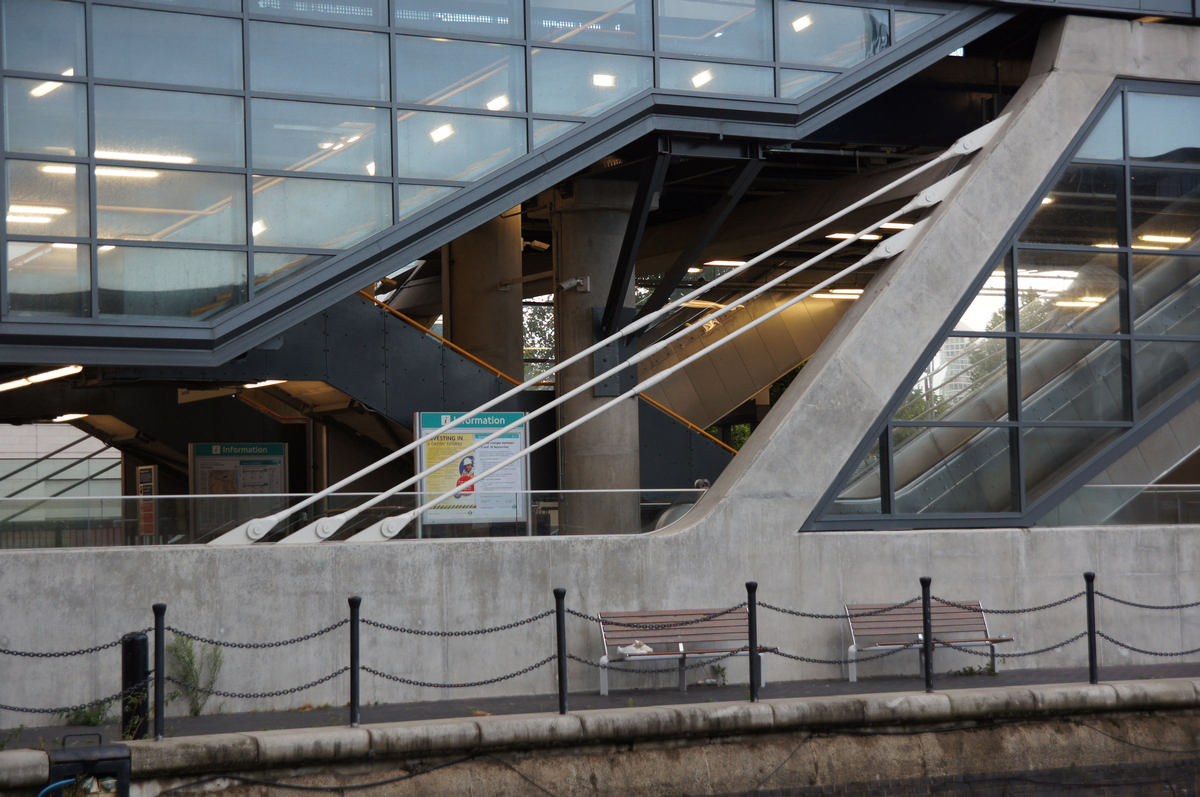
{"type": "Point", "coordinates": [53, 737]}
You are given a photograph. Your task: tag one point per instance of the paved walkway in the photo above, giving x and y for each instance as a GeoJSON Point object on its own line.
{"type": "Point", "coordinates": [57, 736]}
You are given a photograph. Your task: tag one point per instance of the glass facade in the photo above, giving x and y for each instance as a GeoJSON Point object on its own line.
{"type": "Point", "coordinates": [1086, 327]}
{"type": "Point", "coordinates": [164, 184]}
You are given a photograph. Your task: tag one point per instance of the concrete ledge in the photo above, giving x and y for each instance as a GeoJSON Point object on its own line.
{"type": "Point", "coordinates": [319, 747]}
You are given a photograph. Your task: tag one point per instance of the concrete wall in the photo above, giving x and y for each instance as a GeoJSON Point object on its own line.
{"type": "Point", "coordinates": [743, 529]}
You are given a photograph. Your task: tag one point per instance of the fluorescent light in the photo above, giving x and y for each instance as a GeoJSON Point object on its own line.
{"type": "Point", "coordinates": [371, 168]}
{"type": "Point", "coordinates": [694, 269]}
{"type": "Point", "coordinates": [16, 219]}
{"type": "Point", "coordinates": [64, 246]}
{"type": "Point", "coordinates": [498, 103]}
{"type": "Point", "coordinates": [107, 248]}
{"type": "Point", "coordinates": [725, 263]}
{"type": "Point", "coordinates": [116, 171]}
{"type": "Point", "coordinates": [257, 227]}
{"type": "Point", "coordinates": [895, 225]}
{"type": "Point", "coordinates": [42, 89]}
{"type": "Point", "coordinates": [1080, 303]}
{"type": "Point", "coordinates": [144, 157]}
{"type": "Point", "coordinates": [604, 81]}
{"type": "Point", "coordinates": [1164, 239]}
{"type": "Point", "coordinates": [56, 168]}
{"type": "Point", "coordinates": [800, 23]}
{"type": "Point", "coordinates": [37, 210]}
{"type": "Point", "coordinates": [264, 383]}
{"type": "Point", "coordinates": [702, 78]}
{"type": "Point", "coordinates": [42, 377]}
{"type": "Point", "coordinates": [70, 416]}
{"type": "Point", "coordinates": [441, 133]}
{"type": "Point", "coordinates": [848, 291]}
{"type": "Point", "coordinates": [1092, 299]}
{"type": "Point", "coordinates": [1047, 200]}
{"type": "Point", "coordinates": [845, 235]}
{"type": "Point", "coordinates": [834, 296]}
{"type": "Point", "coordinates": [1105, 246]}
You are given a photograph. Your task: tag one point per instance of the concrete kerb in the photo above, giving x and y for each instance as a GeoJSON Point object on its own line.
{"type": "Point", "coordinates": [266, 750]}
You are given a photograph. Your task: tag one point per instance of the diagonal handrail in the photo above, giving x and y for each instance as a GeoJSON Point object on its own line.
{"type": "Point", "coordinates": [322, 529]}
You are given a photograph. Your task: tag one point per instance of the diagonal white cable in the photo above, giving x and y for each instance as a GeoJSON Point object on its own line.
{"type": "Point", "coordinates": [389, 527]}
{"type": "Point", "coordinates": [255, 529]}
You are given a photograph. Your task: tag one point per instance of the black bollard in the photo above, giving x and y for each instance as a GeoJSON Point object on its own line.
{"type": "Point", "coordinates": [560, 633]}
{"type": "Point", "coordinates": [752, 637]}
{"type": "Point", "coordinates": [927, 627]}
{"type": "Point", "coordinates": [135, 676]}
{"type": "Point", "coordinates": [355, 604]}
{"type": "Point", "coordinates": [1089, 580]}
{"type": "Point", "coordinates": [160, 671]}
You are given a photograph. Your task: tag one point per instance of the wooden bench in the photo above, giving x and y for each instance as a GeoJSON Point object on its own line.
{"type": "Point", "coordinates": [964, 625]}
{"type": "Point", "coordinates": [692, 633]}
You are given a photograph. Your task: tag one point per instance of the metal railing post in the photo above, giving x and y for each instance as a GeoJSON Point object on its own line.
{"type": "Point", "coordinates": [927, 636]}
{"type": "Point", "coordinates": [752, 623]}
{"type": "Point", "coordinates": [560, 632]}
{"type": "Point", "coordinates": [160, 670]}
{"type": "Point", "coordinates": [1089, 580]}
{"type": "Point", "coordinates": [135, 675]}
{"type": "Point", "coordinates": [355, 703]}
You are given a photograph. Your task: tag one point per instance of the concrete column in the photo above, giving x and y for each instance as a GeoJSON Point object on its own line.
{"type": "Point", "coordinates": [482, 314]}
{"type": "Point", "coordinates": [589, 225]}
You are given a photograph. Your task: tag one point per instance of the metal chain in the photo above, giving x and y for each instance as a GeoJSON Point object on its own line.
{"type": "Point", "coordinates": [1147, 605]}
{"type": "Point", "coordinates": [981, 610]}
{"type": "Point", "coordinates": [60, 653]}
{"type": "Point", "coordinates": [82, 706]}
{"type": "Point", "coordinates": [488, 682]}
{"type": "Point", "coordinates": [645, 670]}
{"type": "Point", "coordinates": [493, 629]}
{"type": "Point", "coordinates": [658, 626]}
{"type": "Point", "coordinates": [1016, 655]}
{"type": "Point", "coordinates": [842, 615]}
{"type": "Point", "coordinates": [859, 659]}
{"type": "Point", "coordinates": [252, 695]}
{"type": "Point", "coordinates": [1146, 652]}
{"type": "Point", "coordinates": [255, 645]}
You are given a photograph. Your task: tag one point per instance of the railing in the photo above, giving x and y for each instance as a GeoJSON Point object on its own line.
{"type": "Point", "coordinates": [186, 519]}
{"type": "Point", "coordinates": [143, 687]}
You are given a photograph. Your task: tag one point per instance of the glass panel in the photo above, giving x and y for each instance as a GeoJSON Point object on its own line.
{"type": "Point", "coordinates": [449, 146]}
{"type": "Point", "coordinates": [324, 214]}
{"type": "Point", "coordinates": [737, 29]}
{"type": "Point", "coordinates": [297, 59]}
{"type": "Point", "coordinates": [1075, 292]}
{"type": "Point", "coordinates": [966, 381]}
{"type": "Point", "coordinates": [986, 313]}
{"type": "Point", "coordinates": [909, 22]}
{"type": "Point", "coordinates": [1165, 295]}
{"type": "Point", "coordinates": [617, 24]}
{"type": "Point", "coordinates": [826, 35]}
{"type": "Point", "coordinates": [164, 205]}
{"type": "Point", "coordinates": [1050, 455]}
{"type": "Point", "coordinates": [953, 469]}
{"type": "Point", "coordinates": [586, 83]}
{"type": "Point", "coordinates": [414, 198]}
{"type": "Point", "coordinates": [500, 19]}
{"type": "Point", "coordinates": [1068, 380]}
{"type": "Point", "coordinates": [43, 36]}
{"type": "Point", "coordinates": [205, 5]}
{"type": "Point", "coordinates": [169, 127]}
{"type": "Point", "coordinates": [49, 279]}
{"type": "Point", "coordinates": [1082, 208]}
{"type": "Point", "coordinates": [184, 49]}
{"type": "Point", "coordinates": [1107, 139]}
{"type": "Point", "coordinates": [314, 137]}
{"type": "Point", "coordinates": [47, 199]}
{"type": "Point", "coordinates": [861, 496]}
{"type": "Point", "coordinates": [45, 117]}
{"type": "Point", "coordinates": [1166, 208]}
{"type": "Point", "coordinates": [794, 82]}
{"type": "Point", "coordinates": [1164, 127]}
{"type": "Point", "coordinates": [360, 12]}
{"type": "Point", "coordinates": [544, 132]}
{"type": "Point", "coordinates": [485, 77]}
{"type": "Point", "coordinates": [170, 283]}
{"type": "Point", "coordinates": [272, 269]}
{"type": "Point", "coordinates": [1163, 369]}
{"type": "Point", "coordinates": [716, 78]}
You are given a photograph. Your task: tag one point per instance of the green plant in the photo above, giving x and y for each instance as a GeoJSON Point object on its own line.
{"type": "Point", "coordinates": [90, 715]}
{"type": "Point", "coordinates": [195, 671]}
{"type": "Point", "coordinates": [11, 736]}
{"type": "Point", "coordinates": [718, 672]}
{"type": "Point", "coordinates": [982, 669]}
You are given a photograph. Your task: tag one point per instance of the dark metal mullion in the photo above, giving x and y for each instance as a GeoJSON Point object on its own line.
{"type": "Point", "coordinates": [1016, 452]}
{"type": "Point", "coordinates": [247, 161]}
{"type": "Point", "coordinates": [1125, 240]}
{"type": "Point", "coordinates": [4, 187]}
{"type": "Point", "coordinates": [887, 473]}
{"type": "Point", "coordinates": [90, 165]}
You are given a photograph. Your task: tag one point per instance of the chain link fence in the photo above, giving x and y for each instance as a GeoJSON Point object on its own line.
{"type": "Point", "coordinates": [137, 687]}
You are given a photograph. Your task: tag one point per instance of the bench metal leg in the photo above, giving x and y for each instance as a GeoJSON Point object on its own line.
{"type": "Point", "coordinates": [682, 674]}
{"type": "Point", "coordinates": [604, 675]}
{"type": "Point", "coordinates": [852, 663]}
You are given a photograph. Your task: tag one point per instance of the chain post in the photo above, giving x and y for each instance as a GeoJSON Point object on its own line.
{"type": "Point", "coordinates": [1089, 579]}
{"type": "Point", "coordinates": [160, 670]}
{"type": "Point", "coordinates": [355, 704]}
{"type": "Point", "coordinates": [135, 671]}
{"type": "Point", "coordinates": [560, 632]}
{"type": "Point", "coordinates": [752, 636]}
{"type": "Point", "coordinates": [927, 627]}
